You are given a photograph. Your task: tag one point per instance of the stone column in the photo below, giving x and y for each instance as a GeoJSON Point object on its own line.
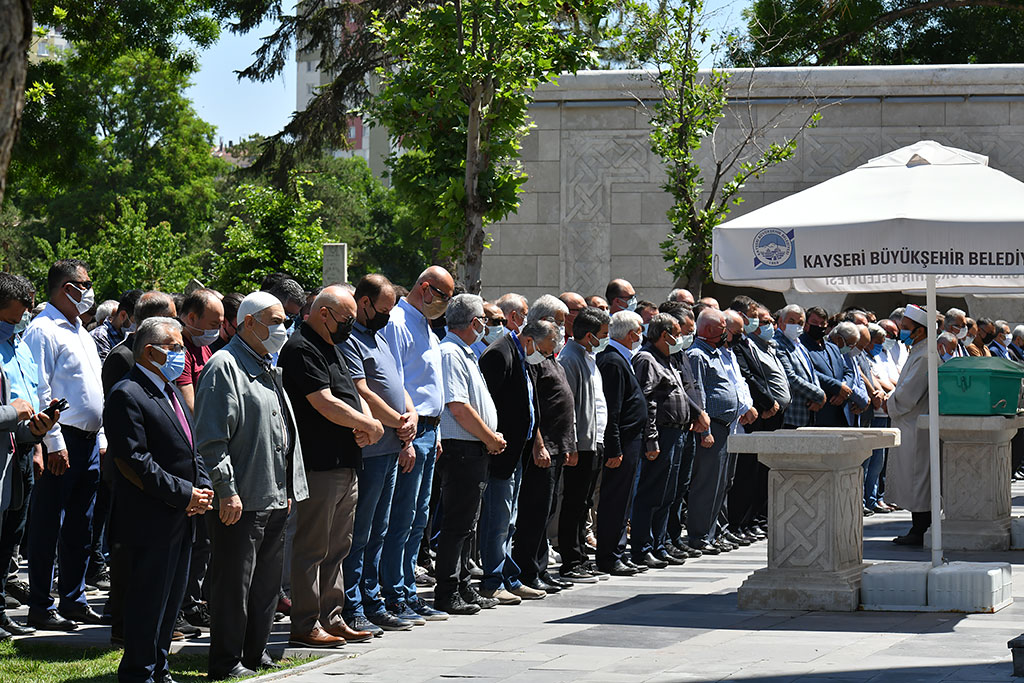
{"type": "Point", "coordinates": [335, 263]}
{"type": "Point", "coordinates": [975, 480]}
{"type": "Point", "coordinates": [815, 518]}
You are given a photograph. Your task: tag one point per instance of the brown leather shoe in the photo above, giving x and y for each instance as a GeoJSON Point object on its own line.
{"type": "Point", "coordinates": [315, 638]}
{"type": "Point", "coordinates": [342, 630]}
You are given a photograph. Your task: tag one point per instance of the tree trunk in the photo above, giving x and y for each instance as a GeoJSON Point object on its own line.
{"type": "Point", "coordinates": [15, 39]}
{"type": "Point", "coordinates": [473, 250]}
{"type": "Point", "coordinates": [695, 281]}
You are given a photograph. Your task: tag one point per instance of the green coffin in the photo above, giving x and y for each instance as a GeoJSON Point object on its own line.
{"type": "Point", "coordinates": [980, 386]}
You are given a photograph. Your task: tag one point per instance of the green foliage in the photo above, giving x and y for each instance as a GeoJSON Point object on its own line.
{"type": "Point", "coordinates": [456, 99]}
{"type": "Point", "coordinates": [682, 122]}
{"type": "Point", "coordinates": [270, 231]}
{"type": "Point", "coordinates": [849, 32]}
{"type": "Point", "coordinates": [45, 253]}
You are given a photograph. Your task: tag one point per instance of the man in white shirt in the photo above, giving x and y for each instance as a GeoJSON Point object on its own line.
{"type": "Point", "coordinates": [62, 503]}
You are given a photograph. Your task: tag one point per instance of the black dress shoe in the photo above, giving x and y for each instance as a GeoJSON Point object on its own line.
{"type": "Point", "coordinates": [86, 615]}
{"type": "Point", "coordinates": [704, 548]}
{"type": "Point", "coordinates": [4, 635]}
{"type": "Point", "coordinates": [649, 560]}
{"type": "Point", "coordinates": [238, 671]}
{"type": "Point", "coordinates": [266, 662]}
{"type": "Point", "coordinates": [734, 539]}
{"type": "Point", "coordinates": [182, 626]}
{"type": "Point", "coordinates": [547, 578]}
{"type": "Point", "coordinates": [50, 621]}
{"type": "Point", "coordinates": [669, 559]}
{"type": "Point", "coordinates": [454, 604]}
{"type": "Point", "coordinates": [617, 569]}
{"type": "Point", "coordinates": [911, 540]}
{"type": "Point", "coordinates": [538, 585]}
{"type": "Point", "coordinates": [633, 565]}
{"type": "Point", "coordinates": [14, 628]}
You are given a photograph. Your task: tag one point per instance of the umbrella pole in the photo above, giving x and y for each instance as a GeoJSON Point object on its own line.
{"type": "Point", "coordinates": [933, 424]}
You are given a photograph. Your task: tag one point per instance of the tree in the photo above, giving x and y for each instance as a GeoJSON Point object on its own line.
{"type": "Point", "coordinates": [845, 32]}
{"type": "Point", "coordinates": [270, 231]}
{"type": "Point", "coordinates": [685, 122]}
{"type": "Point", "coordinates": [456, 100]}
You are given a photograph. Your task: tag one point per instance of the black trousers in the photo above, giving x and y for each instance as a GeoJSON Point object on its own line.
{"type": "Point", "coordinates": [100, 519]}
{"type": "Point", "coordinates": [536, 506]}
{"type": "Point", "coordinates": [12, 529]}
{"type": "Point", "coordinates": [677, 513]}
{"type": "Point", "coordinates": [464, 466]}
{"type": "Point", "coordinates": [748, 497]}
{"type": "Point", "coordinates": [153, 588]}
{"type": "Point", "coordinates": [616, 501]}
{"type": "Point", "coordinates": [577, 487]}
{"type": "Point", "coordinates": [198, 563]}
{"type": "Point", "coordinates": [245, 579]}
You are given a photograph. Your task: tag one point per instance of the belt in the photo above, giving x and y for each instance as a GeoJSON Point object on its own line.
{"type": "Point", "coordinates": [721, 422]}
{"type": "Point", "coordinates": [430, 421]}
{"type": "Point", "coordinates": [80, 433]}
{"type": "Point", "coordinates": [676, 425]}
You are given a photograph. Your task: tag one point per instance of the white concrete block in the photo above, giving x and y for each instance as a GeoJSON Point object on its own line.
{"type": "Point", "coordinates": [970, 586]}
{"type": "Point", "coordinates": [1017, 533]}
{"type": "Point", "coordinates": [895, 586]}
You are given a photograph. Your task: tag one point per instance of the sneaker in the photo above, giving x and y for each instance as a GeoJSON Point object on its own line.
{"type": "Point", "coordinates": [578, 575]}
{"type": "Point", "coordinates": [527, 593]}
{"type": "Point", "coordinates": [389, 622]}
{"type": "Point", "coordinates": [424, 610]}
{"type": "Point", "coordinates": [405, 613]}
{"type": "Point", "coordinates": [423, 579]}
{"type": "Point", "coordinates": [470, 595]}
{"type": "Point", "coordinates": [198, 615]}
{"type": "Point", "coordinates": [455, 605]}
{"type": "Point", "coordinates": [502, 596]}
{"type": "Point", "coordinates": [361, 623]}
{"type": "Point", "coordinates": [100, 579]}
{"type": "Point", "coordinates": [591, 567]}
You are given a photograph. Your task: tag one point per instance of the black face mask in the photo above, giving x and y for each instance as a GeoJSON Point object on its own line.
{"type": "Point", "coordinates": [341, 334]}
{"type": "Point", "coordinates": [816, 332]}
{"type": "Point", "coordinates": [379, 320]}
{"type": "Point", "coordinates": [986, 338]}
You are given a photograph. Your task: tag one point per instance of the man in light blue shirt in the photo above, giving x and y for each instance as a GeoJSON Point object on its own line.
{"type": "Point", "coordinates": [417, 350]}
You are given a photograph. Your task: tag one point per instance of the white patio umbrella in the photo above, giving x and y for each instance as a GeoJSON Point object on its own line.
{"type": "Point", "coordinates": [925, 217]}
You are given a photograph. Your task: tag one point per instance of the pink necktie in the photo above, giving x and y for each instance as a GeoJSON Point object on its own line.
{"type": "Point", "coordinates": [179, 413]}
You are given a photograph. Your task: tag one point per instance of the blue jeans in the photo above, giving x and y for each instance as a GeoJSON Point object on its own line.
{"type": "Point", "coordinates": [410, 506]}
{"type": "Point", "coordinates": [498, 513]}
{"type": "Point", "coordinates": [873, 467]}
{"type": "Point", "coordinates": [373, 509]}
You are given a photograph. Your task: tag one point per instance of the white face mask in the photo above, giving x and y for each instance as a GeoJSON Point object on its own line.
{"type": "Point", "coordinates": [535, 358]}
{"type": "Point", "coordinates": [276, 339]}
{"type": "Point", "coordinates": [479, 334]}
{"type": "Point", "coordinates": [962, 333]}
{"type": "Point", "coordinates": [888, 343]}
{"type": "Point", "coordinates": [793, 332]}
{"type": "Point", "coordinates": [677, 346]}
{"type": "Point", "coordinates": [203, 337]}
{"type": "Point", "coordinates": [87, 301]}
{"type": "Point", "coordinates": [493, 334]}
{"type": "Point", "coordinates": [631, 304]}
{"type": "Point", "coordinates": [686, 341]}
{"type": "Point", "coordinates": [602, 344]}
{"type": "Point", "coordinates": [968, 341]}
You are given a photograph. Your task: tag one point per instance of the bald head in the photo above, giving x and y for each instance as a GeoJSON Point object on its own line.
{"type": "Point", "coordinates": [619, 295]}
{"type": "Point", "coordinates": [432, 291]}
{"type": "Point", "coordinates": [710, 323]}
{"type": "Point", "coordinates": [333, 308]}
{"type": "Point", "coordinates": [733, 321]}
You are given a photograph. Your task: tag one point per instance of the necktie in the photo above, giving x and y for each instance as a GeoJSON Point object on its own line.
{"type": "Point", "coordinates": [177, 411]}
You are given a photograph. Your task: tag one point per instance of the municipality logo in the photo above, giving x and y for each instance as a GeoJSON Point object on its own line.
{"type": "Point", "coordinates": [774, 248]}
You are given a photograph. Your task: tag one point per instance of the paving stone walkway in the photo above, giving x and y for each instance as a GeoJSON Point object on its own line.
{"type": "Point", "coordinates": [680, 624]}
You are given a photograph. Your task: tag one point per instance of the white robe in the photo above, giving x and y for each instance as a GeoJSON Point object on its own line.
{"type": "Point", "coordinates": [907, 478]}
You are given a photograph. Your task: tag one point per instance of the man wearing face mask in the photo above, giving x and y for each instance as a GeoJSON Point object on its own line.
{"type": "Point", "coordinates": [846, 337]}
{"type": "Point", "coordinates": [117, 325]}
{"type": "Point", "coordinates": [160, 486]}
{"type": "Point", "coordinates": [575, 303]}
{"type": "Point", "coordinates": [670, 414]}
{"type": "Point", "coordinates": [64, 496]}
{"type": "Point", "coordinates": [834, 375]}
{"type": "Point", "coordinates": [979, 336]}
{"type": "Point", "coordinates": [417, 349]}
{"type": "Point", "coordinates": [907, 481]}
{"type": "Point", "coordinates": [1001, 339]}
{"type": "Point", "coordinates": [334, 423]}
{"type": "Point", "coordinates": [955, 323]}
{"type": "Point", "coordinates": [515, 309]}
{"type": "Point", "coordinates": [620, 296]}
{"type": "Point", "coordinates": [202, 316]}
{"type": "Point", "coordinates": [624, 444]}
{"type": "Point", "coordinates": [805, 390]}
{"type": "Point", "coordinates": [494, 328]}
{"type": "Point", "coordinates": [590, 336]}
{"type": "Point", "coordinates": [247, 436]}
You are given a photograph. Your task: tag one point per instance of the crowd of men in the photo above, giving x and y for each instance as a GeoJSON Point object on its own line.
{"type": "Point", "coordinates": [223, 460]}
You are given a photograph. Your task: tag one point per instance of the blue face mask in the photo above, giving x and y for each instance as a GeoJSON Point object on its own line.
{"type": "Point", "coordinates": [945, 357]}
{"type": "Point", "coordinates": [26, 318]}
{"type": "Point", "coordinates": [173, 364]}
{"type": "Point", "coordinates": [905, 337]}
{"type": "Point", "coordinates": [749, 328]}
{"type": "Point", "coordinates": [877, 349]}
{"type": "Point", "coordinates": [766, 332]}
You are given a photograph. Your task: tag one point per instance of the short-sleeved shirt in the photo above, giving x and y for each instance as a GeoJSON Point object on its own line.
{"type": "Point", "coordinates": [369, 357]}
{"type": "Point", "coordinates": [416, 348]}
{"type": "Point", "coordinates": [195, 360]}
{"type": "Point", "coordinates": [463, 383]}
{"type": "Point", "coordinates": [310, 364]}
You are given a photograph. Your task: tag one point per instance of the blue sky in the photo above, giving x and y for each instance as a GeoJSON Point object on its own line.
{"type": "Point", "coordinates": [241, 108]}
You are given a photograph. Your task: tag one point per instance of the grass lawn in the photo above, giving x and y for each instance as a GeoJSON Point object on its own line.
{"type": "Point", "coordinates": [21, 661]}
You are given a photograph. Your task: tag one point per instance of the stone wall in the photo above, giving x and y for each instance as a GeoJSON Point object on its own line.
{"type": "Point", "coordinates": [593, 207]}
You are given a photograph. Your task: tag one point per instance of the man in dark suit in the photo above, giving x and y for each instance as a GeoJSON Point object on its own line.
{"type": "Point", "coordinates": [834, 375]}
{"type": "Point", "coordinates": [623, 441]}
{"type": "Point", "coordinates": [503, 366]}
{"type": "Point", "coordinates": [808, 397]}
{"type": "Point", "coordinates": [159, 485]}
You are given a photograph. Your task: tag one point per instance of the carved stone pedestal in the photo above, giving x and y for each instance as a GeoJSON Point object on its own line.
{"type": "Point", "coordinates": [816, 525]}
{"type": "Point", "coordinates": [975, 480]}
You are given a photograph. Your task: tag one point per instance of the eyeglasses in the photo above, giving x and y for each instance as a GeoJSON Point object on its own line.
{"type": "Point", "coordinates": [573, 311]}
{"type": "Point", "coordinates": [440, 294]}
{"type": "Point", "coordinates": [344, 323]}
{"type": "Point", "coordinates": [173, 348]}
{"type": "Point", "coordinates": [495, 322]}
{"type": "Point", "coordinates": [82, 284]}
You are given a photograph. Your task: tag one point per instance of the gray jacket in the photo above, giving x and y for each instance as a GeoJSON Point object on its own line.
{"type": "Point", "coordinates": [573, 359]}
{"type": "Point", "coordinates": [240, 434]}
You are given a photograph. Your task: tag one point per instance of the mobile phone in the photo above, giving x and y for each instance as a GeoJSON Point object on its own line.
{"type": "Point", "coordinates": [61, 405]}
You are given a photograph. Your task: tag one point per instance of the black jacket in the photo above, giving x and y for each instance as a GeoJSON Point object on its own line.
{"type": "Point", "coordinates": [753, 372]}
{"type": "Point", "coordinates": [557, 408]}
{"type": "Point", "coordinates": [118, 362]}
{"type": "Point", "coordinates": [155, 466]}
{"type": "Point", "coordinates": [502, 367]}
{"type": "Point", "coordinates": [627, 409]}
